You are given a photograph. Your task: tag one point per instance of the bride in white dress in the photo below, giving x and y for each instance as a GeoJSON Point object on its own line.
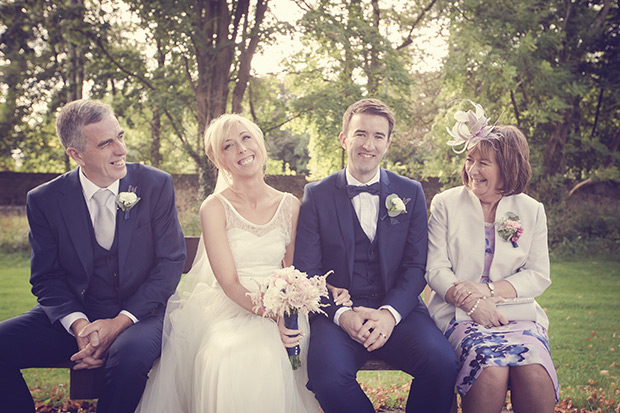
{"type": "Point", "coordinates": [218, 355]}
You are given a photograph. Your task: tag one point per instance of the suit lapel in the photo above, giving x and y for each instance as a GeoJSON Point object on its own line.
{"type": "Point", "coordinates": [77, 219]}
{"type": "Point", "coordinates": [344, 210]}
{"type": "Point", "coordinates": [383, 224]}
{"type": "Point", "coordinates": [125, 224]}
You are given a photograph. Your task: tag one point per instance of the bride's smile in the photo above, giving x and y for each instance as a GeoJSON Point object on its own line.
{"type": "Point", "coordinates": [241, 151]}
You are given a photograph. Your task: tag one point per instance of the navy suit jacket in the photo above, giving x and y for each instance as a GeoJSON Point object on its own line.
{"type": "Point", "coordinates": [151, 249]}
{"type": "Point", "coordinates": [325, 238]}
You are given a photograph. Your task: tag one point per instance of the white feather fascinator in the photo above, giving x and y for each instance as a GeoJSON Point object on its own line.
{"type": "Point", "coordinates": [470, 128]}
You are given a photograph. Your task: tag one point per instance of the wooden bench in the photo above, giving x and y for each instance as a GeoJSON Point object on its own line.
{"type": "Point", "coordinates": [87, 384]}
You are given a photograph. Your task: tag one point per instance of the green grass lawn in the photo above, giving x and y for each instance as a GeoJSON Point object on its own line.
{"type": "Point", "coordinates": [582, 304]}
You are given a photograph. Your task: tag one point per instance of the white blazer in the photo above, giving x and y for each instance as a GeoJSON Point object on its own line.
{"type": "Point", "coordinates": [457, 243]}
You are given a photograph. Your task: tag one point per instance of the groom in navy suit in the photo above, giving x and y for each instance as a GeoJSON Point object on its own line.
{"type": "Point", "coordinates": [107, 253]}
{"type": "Point", "coordinates": [369, 226]}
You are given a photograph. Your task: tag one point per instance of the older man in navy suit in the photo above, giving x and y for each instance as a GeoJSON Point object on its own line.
{"type": "Point", "coordinates": [369, 226]}
{"type": "Point", "coordinates": [107, 253]}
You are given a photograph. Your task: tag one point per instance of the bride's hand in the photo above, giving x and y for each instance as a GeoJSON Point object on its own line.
{"type": "Point", "coordinates": [341, 295]}
{"type": "Point", "coordinates": [290, 338]}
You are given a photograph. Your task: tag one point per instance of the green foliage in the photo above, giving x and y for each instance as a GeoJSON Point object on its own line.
{"type": "Point", "coordinates": [41, 47]}
{"type": "Point", "coordinates": [584, 228]}
{"type": "Point", "coordinates": [552, 67]}
{"type": "Point", "coordinates": [14, 234]}
{"type": "Point", "coordinates": [271, 109]}
{"type": "Point", "coordinates": [346, 58]}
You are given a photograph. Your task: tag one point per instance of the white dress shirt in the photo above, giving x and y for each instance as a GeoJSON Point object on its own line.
{"type": "Point", "coordinates": [366, 205]}
{"type": "Point", "coordinates": [89, 189]}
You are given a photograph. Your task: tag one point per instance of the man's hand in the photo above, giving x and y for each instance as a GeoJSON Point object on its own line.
{"type": "Point", "coordinates": [352, 322]}
{"type": "Point", "coordinates": [86, 360]}
{"type": "Point", "coordinates": [95, 338]}
{"type": "Point", "coordinates": [377, 328]}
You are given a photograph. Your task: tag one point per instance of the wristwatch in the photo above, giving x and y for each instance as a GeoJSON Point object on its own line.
{"type": "Point", "coordinates": [491, 288]}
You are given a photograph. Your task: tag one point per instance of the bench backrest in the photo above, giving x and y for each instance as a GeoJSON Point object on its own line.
{"type": "Point", "coordinates": [191, 245]}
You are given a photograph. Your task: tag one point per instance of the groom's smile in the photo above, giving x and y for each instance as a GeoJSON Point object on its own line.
{"type": "Point", "coordinates": [366, 142]}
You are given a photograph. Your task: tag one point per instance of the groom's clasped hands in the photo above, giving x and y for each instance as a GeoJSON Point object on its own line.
{"type": "Point", "coordinates": [368, 326]}
{"type": "Point", "coordinates": [95, 338]}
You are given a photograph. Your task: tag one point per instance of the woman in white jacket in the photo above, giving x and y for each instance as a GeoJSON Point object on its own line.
{"type": "Point", "coordinates": [488, 245]}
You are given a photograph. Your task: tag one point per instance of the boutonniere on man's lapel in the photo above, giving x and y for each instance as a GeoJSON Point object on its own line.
{"type": "Point", "coordinates": [510, 228]}
{"type": "Point", "coordinates": [395, 206]}
{"type": "Point", "coordinates": [127, 200]}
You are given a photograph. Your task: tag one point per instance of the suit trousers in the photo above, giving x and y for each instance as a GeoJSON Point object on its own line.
{"type": "Point", "coordinates": [416, 347]}
{"type": "Point", "coordinates": [30, 340]}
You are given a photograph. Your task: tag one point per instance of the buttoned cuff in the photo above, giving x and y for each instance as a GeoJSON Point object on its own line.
{"type": "Point", "coordinates": [131, 316]}
{"type": "Point", "coordinates": [395, 313]}
{"type": "Point", "coordinates": [68, 320]}
{"type": "Point", "coordinates": [339, 312]}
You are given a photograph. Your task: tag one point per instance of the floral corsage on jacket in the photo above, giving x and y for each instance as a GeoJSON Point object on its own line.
{"type": "Point", "coordinates": [395, 206]}
{"type": "Point", "coordinates": [127, 200]}
{"type": "Point", "coordinates": [510, 228]}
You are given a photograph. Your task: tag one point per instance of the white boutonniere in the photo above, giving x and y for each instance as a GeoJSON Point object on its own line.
{"type": "Point", "coordinates": [127, 200]}
{"type": "Point", "coordinates": [510, 228]}
{"type": "Point", "coordinates": [396, 206]}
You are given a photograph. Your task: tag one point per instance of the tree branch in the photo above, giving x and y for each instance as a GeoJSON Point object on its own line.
{"type": "Point", "coordinates": [408, 40]}
{"type": "Point", "coordinates": [515, 107]}
{"type": "Point", "coordinates": [141, 79]}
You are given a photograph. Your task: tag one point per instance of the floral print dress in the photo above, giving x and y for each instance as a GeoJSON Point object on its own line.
{"type": "Point", "coordinates": [517, 344]}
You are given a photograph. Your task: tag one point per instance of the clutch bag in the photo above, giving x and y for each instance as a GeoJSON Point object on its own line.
{"type": "Point", "coordinates": [514, 309]}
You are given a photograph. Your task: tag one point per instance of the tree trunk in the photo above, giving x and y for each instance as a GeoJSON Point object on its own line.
{"type": "Point", "coordinates": [245, 59]}
{"type": "Point", "coordinates": [74, 79]}
{"type": "Point", "coordinates": [156, 157]}
{"type": "Point", "coordinates": [554, 159]}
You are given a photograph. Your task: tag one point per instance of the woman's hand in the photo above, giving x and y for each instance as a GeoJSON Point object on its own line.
{"type": "Point", "coordinates": [486, 313]}
{"type": "Point", "coordinates": [466, 291]}
{"type": "Point", "coordinates": [290, 338]}
{"type": "Point", "coordinates": [341, 295]}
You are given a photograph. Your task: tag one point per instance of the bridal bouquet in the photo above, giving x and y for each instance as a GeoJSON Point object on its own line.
{"type": "Point", "coordinates": [286, 293]}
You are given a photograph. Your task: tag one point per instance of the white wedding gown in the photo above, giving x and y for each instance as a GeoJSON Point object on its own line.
{"type": "Point", "coordinates": [217, 356]}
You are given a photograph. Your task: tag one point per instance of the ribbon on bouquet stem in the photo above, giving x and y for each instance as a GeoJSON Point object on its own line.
{"type": "Point", "coordinates": [291, 322]}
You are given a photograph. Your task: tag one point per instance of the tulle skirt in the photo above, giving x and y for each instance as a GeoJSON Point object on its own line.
{"type": "Point", "coordinates": [218, 357]}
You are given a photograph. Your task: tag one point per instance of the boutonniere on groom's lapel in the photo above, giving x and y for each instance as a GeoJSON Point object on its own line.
{"type": "Point", "coordinates": [395, 206]}
{"type": "Point", "coordinates": [127, 200]}
{"type": "Point", "coordinates": [510, 228]}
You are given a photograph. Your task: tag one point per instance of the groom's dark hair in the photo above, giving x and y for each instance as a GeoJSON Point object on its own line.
{"type": "Point", "coordinates": [372, 107]}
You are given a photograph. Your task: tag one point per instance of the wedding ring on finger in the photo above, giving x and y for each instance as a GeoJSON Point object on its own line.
{"type": "Point", "coordinates": [468, 293]}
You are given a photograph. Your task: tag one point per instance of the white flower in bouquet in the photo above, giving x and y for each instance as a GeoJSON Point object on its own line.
{"type": "Point", "coordinates": [289, 290]}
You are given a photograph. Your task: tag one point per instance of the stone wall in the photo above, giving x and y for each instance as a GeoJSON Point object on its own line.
{"type": "Point", "coordinates": [15, 185]}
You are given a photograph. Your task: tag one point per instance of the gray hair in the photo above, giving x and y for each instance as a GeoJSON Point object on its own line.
{"type": "Point", "coordinates": [74, 116]}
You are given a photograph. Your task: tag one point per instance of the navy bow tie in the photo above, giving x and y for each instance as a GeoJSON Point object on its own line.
{"type": "Point", "coordinates": [353, 190]}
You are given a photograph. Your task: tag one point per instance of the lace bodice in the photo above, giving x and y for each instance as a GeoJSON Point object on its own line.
{"type": "Point", "coordinates": [258, 249]}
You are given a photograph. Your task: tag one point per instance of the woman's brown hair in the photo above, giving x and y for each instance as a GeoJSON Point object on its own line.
{"type": "Point", "coordinates": [512, 155]}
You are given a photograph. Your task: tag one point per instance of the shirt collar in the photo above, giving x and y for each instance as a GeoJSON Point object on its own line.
{"type": "Point", "coordinates": [352, 181]}
{"type": "Point", "coordinates": [89, 188]}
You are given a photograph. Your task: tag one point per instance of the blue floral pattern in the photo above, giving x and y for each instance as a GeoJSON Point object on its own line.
{"type": "Point", "coordinates": [517, 344]}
